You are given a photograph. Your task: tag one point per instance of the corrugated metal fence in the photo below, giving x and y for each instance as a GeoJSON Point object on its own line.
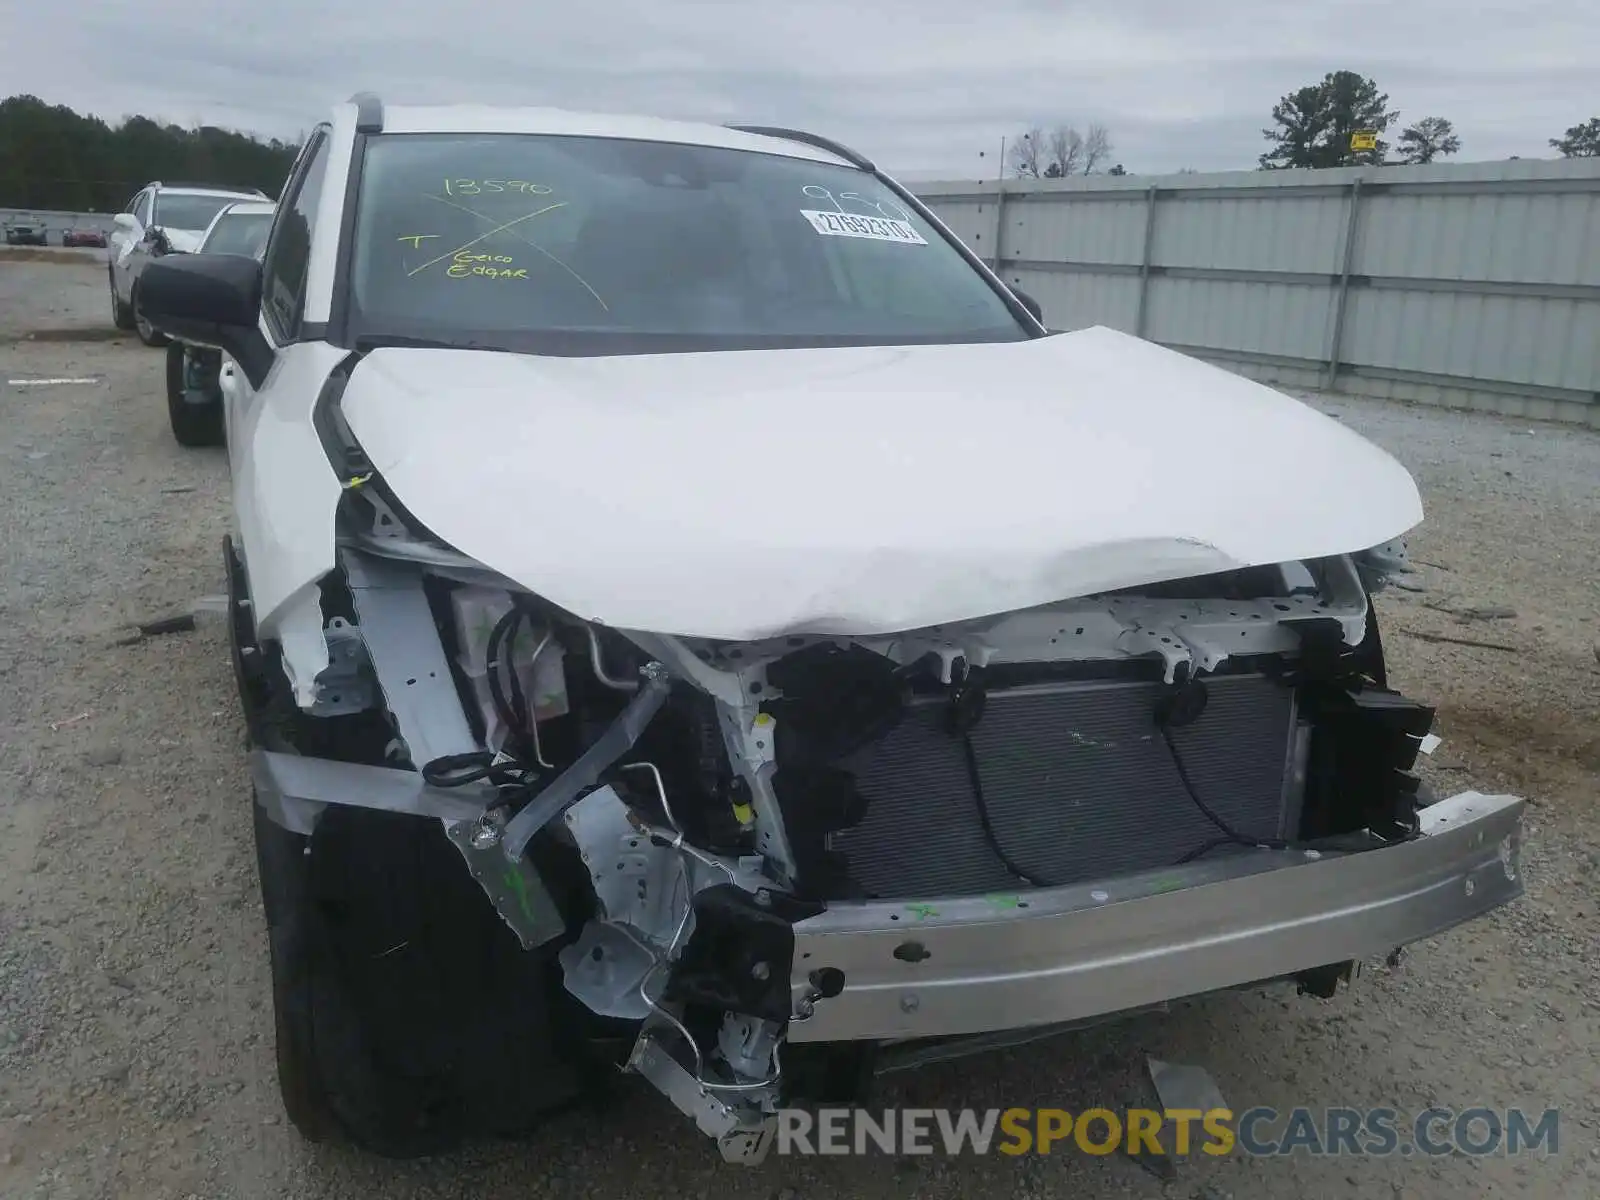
{"type": "Point", "coordinates": [1474, 285]}
{"type": "Point", "coordinates": [56, 222]}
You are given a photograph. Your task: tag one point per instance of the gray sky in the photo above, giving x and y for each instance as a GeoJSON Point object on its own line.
{"type": "Point", "coordinates": [922, 86]}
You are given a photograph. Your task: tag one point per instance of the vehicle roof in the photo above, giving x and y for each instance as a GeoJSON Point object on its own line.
{"type": "Point", "coordinates": [191, 190]}
{"type": "Point", "coordinates": [477, 118]}
{"type": "Point", "coordinates": [240, 208]}
{"type": "Point", "coordinates": [249, 208]}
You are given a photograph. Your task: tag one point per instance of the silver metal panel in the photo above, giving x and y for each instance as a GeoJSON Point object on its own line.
{"type": "Point", "coordinates": [294, 790]}
{"type": "Point", "coordinates": [1093, 233]}
{"type": "Point", "coordinates": [1064, 954]}
{"type": "Point", "coordinates": [1077, 301]}
{"type": "Point", "coordinates": [1487, 395]}
{"type": "Point", "coordinates": [1290, 320]}
{"type": "Point", "coordinates": [408, 657]}
{"type": "Point", "coordinates": [1282, 233]}
{"type": "Point", "coordinates": [1505, 339]}
{"type": "Point", "coordinates": [973, 222]}
{"type": "Point", "coordinates": [1077, 782]}
{"type": "Point", "coordinates": [1505, 259]}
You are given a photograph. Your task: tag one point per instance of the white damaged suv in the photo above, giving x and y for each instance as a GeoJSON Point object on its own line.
{"type": "Point", "coordinates": [691, 615]}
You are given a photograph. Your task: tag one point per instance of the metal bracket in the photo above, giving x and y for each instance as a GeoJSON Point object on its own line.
{"type": "Point", "coordinates": [1378, 565]}
{"type": "Point", "coordinates": [743, 1134]}
{"type": "Point", "coordinates": [606, 969]}
{"type": "Point", "coordinates": [516, 889]}
{"type": "Point", "coordinates": [637, 884]}
{"type": "Point", "coordinates": [407, 657]}
{"type": "Point", "coordinates": [345, 685]}
{"type": "Point", "coordinates": [644, 879]}
{"type": "Point", "coordinates": [1173, 650]}
{"type": "Point", "coordinates": [1185, 643]}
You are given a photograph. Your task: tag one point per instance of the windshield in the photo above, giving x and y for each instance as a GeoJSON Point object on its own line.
{"type": "Point", "coordinates": [599, 245]}
{"type": "Point", "coordinates": [177, 211]}
{"type": "Point", "coordinates": [239, 233]}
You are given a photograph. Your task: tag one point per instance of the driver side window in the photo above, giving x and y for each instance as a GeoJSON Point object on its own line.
{"type": "Point", "coordinates": [288, 257]}
{"type": "Point", "coordinates": [141, 208]}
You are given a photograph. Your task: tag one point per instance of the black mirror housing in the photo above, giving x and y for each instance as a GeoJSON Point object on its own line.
{"type": "Point", "coordinates": [210, 300]}
{"type": "Point", "coordinates": [1029, 303]}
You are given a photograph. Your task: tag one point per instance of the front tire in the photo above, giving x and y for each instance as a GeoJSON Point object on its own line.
{"type": "Point", "coordinates": [121, 314]}
{"type": "Point", "coordinates": [408, 1016]}
{"type": "Point", "coordinates": [195, 413]}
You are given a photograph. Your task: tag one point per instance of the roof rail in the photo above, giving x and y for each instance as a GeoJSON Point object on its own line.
{"type": "Point", "coordinates": [203, 187]}
{"type": "Point", "coordinates": [369, 112]}
{"type": "Point", "coordinates": [810, 139]}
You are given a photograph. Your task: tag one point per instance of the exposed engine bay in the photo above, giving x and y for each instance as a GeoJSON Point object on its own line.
{"type": "Point", "coordinates": [720, 795]}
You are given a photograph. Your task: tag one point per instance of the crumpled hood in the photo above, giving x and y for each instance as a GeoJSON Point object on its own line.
{"type": "Point", "coordinates": [862, 490]}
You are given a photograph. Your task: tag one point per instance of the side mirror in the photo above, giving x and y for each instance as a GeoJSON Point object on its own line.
{"type": "Point", "coordinates": [125, 221]}
{"type": "Point", "coordinates": [210, 300]}
{"type": "Point", "coordinates": [1029, 303]}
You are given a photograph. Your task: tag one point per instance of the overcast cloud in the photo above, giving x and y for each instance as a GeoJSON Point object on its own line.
{"type": "Point", "coordinates": [920, 85]}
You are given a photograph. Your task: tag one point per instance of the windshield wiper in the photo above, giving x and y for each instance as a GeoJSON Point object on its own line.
{"type": "Point", "coordinates": [378, 341]}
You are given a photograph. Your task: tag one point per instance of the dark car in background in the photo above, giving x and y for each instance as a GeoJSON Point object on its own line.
{"type": "Point", "coordinates": [83, 237]}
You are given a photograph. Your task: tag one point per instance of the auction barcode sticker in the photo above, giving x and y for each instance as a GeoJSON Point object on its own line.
{"type": "Point", "coordinates": [878, 229]}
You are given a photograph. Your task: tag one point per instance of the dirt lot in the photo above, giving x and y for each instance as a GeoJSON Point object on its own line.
{"type": "Point", "coordinates": [135, 1031]}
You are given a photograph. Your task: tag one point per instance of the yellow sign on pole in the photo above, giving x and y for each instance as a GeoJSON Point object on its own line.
{"type": "Point", "coordinates": [1364, 139]}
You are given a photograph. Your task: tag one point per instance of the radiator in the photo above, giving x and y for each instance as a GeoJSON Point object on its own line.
{"type": "Point", "coordinates": [1078, 783]}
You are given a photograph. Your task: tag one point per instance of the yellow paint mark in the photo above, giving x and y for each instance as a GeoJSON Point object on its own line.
{"type": "Point", "coordinates": [523, 237]}
{"type": "Point", "coordinates": [483, 236]}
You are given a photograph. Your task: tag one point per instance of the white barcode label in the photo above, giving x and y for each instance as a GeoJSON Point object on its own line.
{"type": "Point", "coordinates": [877, 229]}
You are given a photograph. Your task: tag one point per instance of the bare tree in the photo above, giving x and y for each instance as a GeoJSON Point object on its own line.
{"type": "Point", "coordinates": [1066, 152]}
{"type": "Point", "coordinates": [1027, 154]}
{"type": "Point", "coordinates": [1096, 148]}
{"type": "Point", "coordinates": [1063, 150]}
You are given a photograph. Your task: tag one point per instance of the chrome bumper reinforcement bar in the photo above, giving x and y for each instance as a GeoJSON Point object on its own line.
{"type": "Point", "coordinates": [987, 963]}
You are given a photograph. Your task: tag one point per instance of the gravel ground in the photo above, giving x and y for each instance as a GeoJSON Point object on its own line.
{"type": "Point", "coordinates": [135, 1028]}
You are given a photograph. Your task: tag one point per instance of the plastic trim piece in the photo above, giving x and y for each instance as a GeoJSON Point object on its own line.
{"type": "Point", "coordinates": [369, 112]}
{"type": "Point", "coordinates": [809, 139]}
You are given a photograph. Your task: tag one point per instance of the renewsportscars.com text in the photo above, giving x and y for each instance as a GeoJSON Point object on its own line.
{"type": "Point", "coordinates": [1257, 1132]}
